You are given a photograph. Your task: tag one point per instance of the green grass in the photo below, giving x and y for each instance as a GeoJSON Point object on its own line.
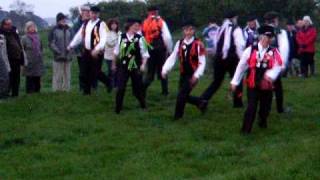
{"type": "Point", "coordinates": [69, 136]}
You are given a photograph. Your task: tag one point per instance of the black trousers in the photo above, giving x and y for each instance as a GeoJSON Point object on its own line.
{"type": "Point", "coordinates": [184, 97]}
{"type": "Point", "coordinates": [278, 90]}
{"type": "Point", "coordinates": [221, 67]}
{"type": "Point", "coordinates": [14, 77]}
{"type": "Point", "coordinates": [307, 61]}
{"type": "Point", "coordinates": [123, 75]}
{"type": "Point", "coordinates": [92, 69]}
{"type": "Point", "coordinates": [155, 63]}
{"type": "Point", "coordinates": [82, 74]}
{"type": "Point", "coordinates": [261, 98]}
{"type": "Point", "coordinates": [33, 84]}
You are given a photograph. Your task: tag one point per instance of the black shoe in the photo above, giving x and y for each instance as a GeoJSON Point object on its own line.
{"type": "Point", "coordinates": [203, 106]}
{"type": "Point", "coordinates": [165, 93]}
{"type": "Point", "coordinates": [177, 117]}
{"type": "Point", "coordinates": [245, 133]}
{"type": "Point", "coordinates": [286, 110]}
{"type": "Point", "coordinates": [263, 125]}
{"type": "Point", "coordinates": [109, 89]}
{"type": "Point", "coordinates": [238, 106]}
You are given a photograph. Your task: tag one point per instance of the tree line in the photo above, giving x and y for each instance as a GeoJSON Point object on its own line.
{"type": "Point", "coordinates": [200, 11]}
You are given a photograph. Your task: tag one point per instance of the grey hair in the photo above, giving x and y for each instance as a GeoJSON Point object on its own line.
{"type": "Point", "coordinates": [28, 24]}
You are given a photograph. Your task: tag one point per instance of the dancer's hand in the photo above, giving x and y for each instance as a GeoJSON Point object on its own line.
{"type": "Point", "coordinates": [193, 81]}
{"type": "Point", "coordinates": [69, 48]}
{"type": "Point", "coordinates": [143, 67]}
{"type": "Point", "coordinates": [268, 78]}
{"type": "Point", "coordinates": [233, 87]}
{"type": "Point", "coordinates": [95, 53]}
{"type": "Point", "coordinates": [163, 75]}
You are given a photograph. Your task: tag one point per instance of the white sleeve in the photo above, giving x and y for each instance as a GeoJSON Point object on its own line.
{"type": "Point", "coordinates": [168, 65]}
{"type": "Point", "coordinates": [167, 38]}
{"type": "Point", "coordinates": [116, 50]}
{"type": "Point", "coordinates": [284, 47]}
{"type": "Point", "coordinates": [5, 54]}
{"type": "Point", "coordinates": [275, 71]}
{"type": "Point", "coordinates": [202, 65]}
{"type": "Point", "coordinates": [103, 37]}
{"type": "Point", "coordinates": [239, 41]}
{"type": "Point", "coordinates": [77, 39]}
{"type": "Point", "coordinates": [143, 49]}
{"type": "Point", "coordinates": [242, 67]}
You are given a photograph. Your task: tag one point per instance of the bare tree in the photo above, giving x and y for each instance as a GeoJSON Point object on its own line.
{"type": "Point", "coordinates": [21, 7]}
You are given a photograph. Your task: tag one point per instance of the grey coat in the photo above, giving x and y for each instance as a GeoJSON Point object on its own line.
{"type": "Point", "coordinates": [4, 68]}
{"type": "Point", "coordinates": [59, 39]}
{"type": "Point", "coordinates": [35, 66]}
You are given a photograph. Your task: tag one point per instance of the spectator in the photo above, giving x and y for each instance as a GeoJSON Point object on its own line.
{"type": "Point", "coordinates": [306, 39]}
{"type": "Point", "coordinates": [4, 68]}
{"type": "Point", "coordinates": [59, 38]}
{"type": "Point", "coordinates": [15, 55]}
{"type": "Point", "coordinates": [33, 48]}
{"type": "Point", "coordinates": [112, 40]}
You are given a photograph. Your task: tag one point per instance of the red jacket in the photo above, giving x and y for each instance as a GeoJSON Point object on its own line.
{"type": "Point", "coordinates": [306, 40]}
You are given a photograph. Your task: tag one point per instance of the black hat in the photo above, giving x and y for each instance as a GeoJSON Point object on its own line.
{"type": "Point", "coordinates": [266, 30]}
{"type": "Point", "coordinates": [153, 8]}
{"type": "Point", "coordinates": [95, 9]}
{"type": "Point", "coordinates": [251, 17]}
{"type": "Point", "coordinates": [60, 16]}
{"type": "Point", "coordinates": [269, 16]}
{"type": "Point", "coordinates": [130, 22]}
{"type": "Point", "coordinates": [133, 20]}
{"type": "Point", "coordinates": [188, 23]}
{"type": "Point", "coordinates": [230, 14]}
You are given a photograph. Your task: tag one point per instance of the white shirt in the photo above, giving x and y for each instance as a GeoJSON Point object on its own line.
{"type": "Point", "coordinates": [237, 36]}
{"type": "Point", "coordinates": [283, 43]}
{"type": "Point", "coordinates": [167, 38]}
{"type": "Point", "coordinates": [78, 38]}
{"type": "Point", "coordinates": [170, 62]}
{"type": "Point", "coordinates": [112, 40]}
{"type": "Point", "coordinates": [143, 50]}
{"type": "Point", "coordinates": [243, 66]}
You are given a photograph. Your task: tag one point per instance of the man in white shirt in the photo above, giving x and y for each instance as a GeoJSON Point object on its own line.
{"type": "Point", "coordinates": [280, 42]}
{"type": "Point", "coordinates": [250, 32]}
{"type": "Point", "coordinates": [263, 64]}
{"type": "Point", "coordinates": [229, 50]}
{"type": "Point", "coordinates": [157, 34]}
{"type": "Point", "coordinates": [192, 56]}
{"type": "Point", "coordinates": [92, 35]}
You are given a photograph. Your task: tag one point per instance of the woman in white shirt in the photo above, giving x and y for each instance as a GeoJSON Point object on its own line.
{"type": "Point", "coordinates": [112, 39]}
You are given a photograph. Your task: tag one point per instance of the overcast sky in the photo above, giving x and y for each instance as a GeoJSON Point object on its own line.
{"type": "Point", "coordinates": [48, 8]}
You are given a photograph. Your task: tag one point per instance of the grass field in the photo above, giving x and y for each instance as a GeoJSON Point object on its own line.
{"type": "Point", "coordinates": [69, 136]}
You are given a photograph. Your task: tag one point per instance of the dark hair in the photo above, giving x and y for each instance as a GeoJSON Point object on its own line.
{"type": "Point", "coordinates": [153, 8]}
{"type": "Point", "coordinates": [113, 21]}
{"type": "Point", "coordinates": [4, 21]}
{"type": "Point", "coordinates": [130, 22]}
{"type": "Point", "coordinates": [270, 16]}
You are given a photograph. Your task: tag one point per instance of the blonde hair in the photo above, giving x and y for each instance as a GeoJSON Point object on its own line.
{"type": "Point", "coordinates": [28, 25]}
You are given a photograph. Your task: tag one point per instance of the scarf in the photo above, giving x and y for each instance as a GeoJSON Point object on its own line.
{"type": "Point", "coordinates": [36, 46]}
{"type": "Point", "coordinates": [226, 31]}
